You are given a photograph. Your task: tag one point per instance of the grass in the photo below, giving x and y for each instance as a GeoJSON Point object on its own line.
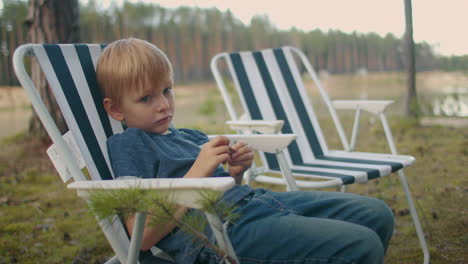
{"type": "Point", "coordinates": [43, 222]}
{"type": "Point", "coordinates": [439, 185]}
{"type": "Point", "coordinates": [40, 220]}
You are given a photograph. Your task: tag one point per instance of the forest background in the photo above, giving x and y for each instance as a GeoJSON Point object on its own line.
{"type": "Point", "coordinates": [194, 35]}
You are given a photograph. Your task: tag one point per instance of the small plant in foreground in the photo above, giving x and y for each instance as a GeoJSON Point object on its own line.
{"type": "Point", "coordinates": [157, 206]}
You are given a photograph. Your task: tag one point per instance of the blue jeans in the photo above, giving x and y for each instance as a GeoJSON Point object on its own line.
{"type": "Point", "coordinates": [308, 227]}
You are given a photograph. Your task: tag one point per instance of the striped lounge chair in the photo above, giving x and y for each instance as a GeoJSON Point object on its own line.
{"type": "Point", "coordinates": [271, 92]}
{"type": "Point", "coordinates": [70, 71]}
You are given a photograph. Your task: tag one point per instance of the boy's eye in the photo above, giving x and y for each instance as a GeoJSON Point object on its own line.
{"type": "Point", "coordinates": [145, 99]}
{"type": "Point", "coordinates": [167, 90]}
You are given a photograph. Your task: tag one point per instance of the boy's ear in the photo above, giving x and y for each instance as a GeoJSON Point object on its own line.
{"type": "Point", "coordinates": [112, 109]}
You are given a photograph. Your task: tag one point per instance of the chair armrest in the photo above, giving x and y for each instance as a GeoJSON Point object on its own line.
{"type": "Point", "coordinates": [271, 143]}
{"type": "Point", "coordinates": [262, 126]}
{"type": "Point", "coordinates": [372, 106]}
{"type": "Point", "coordinates": [183, 191]}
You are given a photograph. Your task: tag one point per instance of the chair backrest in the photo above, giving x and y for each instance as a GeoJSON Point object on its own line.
{"type": "Point", "coordinates": [71, 72]}
{"type": "Point", "coordinates": [270, 87]}
{"type": "Point", "coordinates": [70, 69]}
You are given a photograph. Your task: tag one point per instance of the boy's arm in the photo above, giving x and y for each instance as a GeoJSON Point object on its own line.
{"type": "Point", "coordinates": [211, 155]}
{"type": "Point", "coordinates": [120, 150]}
{"type": "Point", "coordinates": [152, 234]}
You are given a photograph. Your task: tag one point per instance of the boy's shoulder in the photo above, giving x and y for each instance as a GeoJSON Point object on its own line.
{"type": "Point", "coordinates": [192, 132]}
{"type": "Point", "coordinates": [132, 137]}
{"type": "Point", "coordinates": [193, 135]}
{"type": "Point", "coordinates": [128, 137]}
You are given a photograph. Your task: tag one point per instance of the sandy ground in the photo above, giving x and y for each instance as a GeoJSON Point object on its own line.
{"type": "Point", "coordinates": [11, 97]}
{"type": "Point", "coordinates": [15, 111]}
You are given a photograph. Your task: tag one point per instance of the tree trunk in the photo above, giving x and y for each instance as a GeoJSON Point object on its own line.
{"type": "Point", "coordinates": [411, 99]}
{"type": "Point", "coordinates": [6, 56]}
{"type": "Point", "coordinates": [50, 21]}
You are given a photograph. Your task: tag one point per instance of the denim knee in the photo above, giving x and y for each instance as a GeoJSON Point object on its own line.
{"type": "Point", "coordinates": [383, 212]}
{"type": "Point", "coordinates": [384, 221]}
{"type": "Point", "coordinates": [368, 248]}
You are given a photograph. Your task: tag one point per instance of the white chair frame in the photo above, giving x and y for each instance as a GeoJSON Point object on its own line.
{"type": "Point", "coordinates": [376, 107]}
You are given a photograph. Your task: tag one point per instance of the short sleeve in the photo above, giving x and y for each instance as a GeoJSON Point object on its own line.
{"type": "Point", "coordinates": [121, 159]}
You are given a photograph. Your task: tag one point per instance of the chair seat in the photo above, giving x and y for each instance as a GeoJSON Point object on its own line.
{"type": "Point", "coordinates": [350, 167]}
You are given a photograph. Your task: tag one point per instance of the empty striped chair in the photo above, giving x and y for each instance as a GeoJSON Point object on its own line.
{"type": "Point", "coordinates": [70, 71]}
{"type": "Point", "coordinates": [272, 97]}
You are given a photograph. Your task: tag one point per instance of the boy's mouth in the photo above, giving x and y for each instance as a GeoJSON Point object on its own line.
{"type": "Point", "coordinates": [164, 120]}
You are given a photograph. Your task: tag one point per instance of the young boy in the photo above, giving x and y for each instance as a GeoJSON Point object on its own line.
{"type": "Point", "coordinates": [292, 227]}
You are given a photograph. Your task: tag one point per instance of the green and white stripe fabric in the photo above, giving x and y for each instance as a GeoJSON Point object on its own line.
{"type": "Point", "coordinates": [71, 72]}
{"type": "Point", "coordinates": [271, 88]}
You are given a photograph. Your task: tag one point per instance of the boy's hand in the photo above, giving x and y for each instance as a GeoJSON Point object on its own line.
{"type": "Point", "coordinates": [241, 160]}
{"type": "Point", "coordinates": [212, 153]}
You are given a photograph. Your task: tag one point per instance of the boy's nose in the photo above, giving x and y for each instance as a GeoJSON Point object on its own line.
{"type": "Point", "coordinates": [162, 103]}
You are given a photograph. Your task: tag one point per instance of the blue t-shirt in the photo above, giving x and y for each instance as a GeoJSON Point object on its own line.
{"type": "Point", "coordinates": [138, 153]}
{"type": "Point", "coordinates": [135, 152]}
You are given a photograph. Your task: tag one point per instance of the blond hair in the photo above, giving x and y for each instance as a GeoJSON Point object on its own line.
{"type": "Point", "coordinates": [125, 65]}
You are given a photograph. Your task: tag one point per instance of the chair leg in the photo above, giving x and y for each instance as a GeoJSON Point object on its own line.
{"type": "Point", "coordinates": [355, 132]}
{"type": "Point", "coordinates": [286, 172]}
{"type": "Point", "coordinates": [137, 235]}
{"type": "Point", "coordinates": [248, 175]}
{"type": "Point", "coordinates": [113, 260]}
{"type": "Point", "coordinates": [414, 216]}
{"type": "Point", "coordinates": [409, 198]}
{"type": "Point", "coordinates": [343, 188]}
{"type": "Point", "coordinates": [221, 236]}
{"type": "Point", "coordinates": [112, 235]}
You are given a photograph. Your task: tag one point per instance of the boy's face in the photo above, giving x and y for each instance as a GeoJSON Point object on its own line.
{"type": "Point", "coordinates": [150, 109]}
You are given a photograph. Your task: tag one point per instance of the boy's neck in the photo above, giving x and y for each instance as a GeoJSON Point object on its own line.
{"type": "Point", "coordinates": [166, 132]}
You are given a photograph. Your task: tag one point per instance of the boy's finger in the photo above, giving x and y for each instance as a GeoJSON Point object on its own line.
{"type": "Point", "coordinates": [244, 150]}
{"type": "Point", "coordinates": [237, 163]}
{"type": "Point", "coordinates": [239, 145]}
{"type": "Point", "coordinates": [219, 141]}
{"type": "Point", "coordinates": [224, 158]}
{"type": "Point", "coordinates": [222, 149]}
{"type": "Point", "coordinates": [244, 157]}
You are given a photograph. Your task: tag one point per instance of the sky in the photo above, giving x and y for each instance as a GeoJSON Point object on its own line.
{"type": "Point", "coordinates": [442, 24]}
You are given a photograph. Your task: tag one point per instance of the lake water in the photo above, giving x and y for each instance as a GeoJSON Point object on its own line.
{"type": "Point", "coordinates": [451, 101]}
